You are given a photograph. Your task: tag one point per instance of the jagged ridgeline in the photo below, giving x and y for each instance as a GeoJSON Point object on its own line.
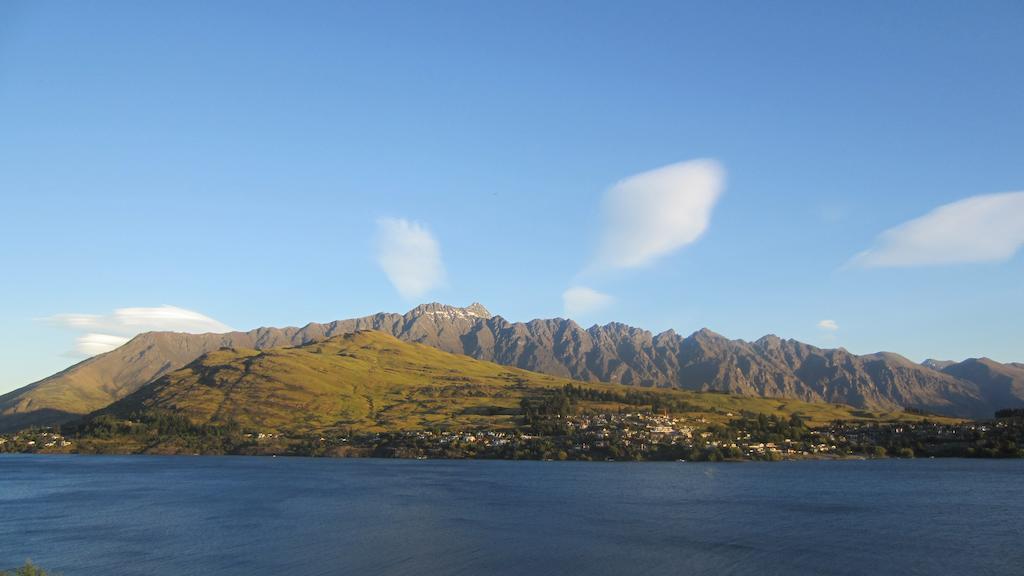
{"type": "Point", "coordinates": [370, 381]}
{"type": "Point", "coordinates": [768, 367]}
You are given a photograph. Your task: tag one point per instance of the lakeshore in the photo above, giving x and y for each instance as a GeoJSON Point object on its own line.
{"type": "Point", "coordinates": [628, 436]}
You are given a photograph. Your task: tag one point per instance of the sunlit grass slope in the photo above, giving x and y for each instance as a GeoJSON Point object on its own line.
{"type": "Point", "coordinates": [370, 381]}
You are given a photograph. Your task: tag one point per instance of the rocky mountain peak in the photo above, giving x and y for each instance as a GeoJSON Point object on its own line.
{"type": "Point", "coordinates": [478, 309]}
{"type": "Point", "coordinates": [937, 364]}
{"type": "Point", "coordinates": [438, 310]}
{"type": "Point", "coordinates": [705, 334]}
{"type": "Point", "coordinates": [769, 340]}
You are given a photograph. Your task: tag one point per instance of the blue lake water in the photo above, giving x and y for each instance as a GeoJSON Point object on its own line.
{"type": "Point", "coordinates": [180, 516]}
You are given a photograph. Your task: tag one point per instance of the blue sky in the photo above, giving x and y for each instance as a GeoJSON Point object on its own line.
{"type": "Point", "coordinates": [269, 163]}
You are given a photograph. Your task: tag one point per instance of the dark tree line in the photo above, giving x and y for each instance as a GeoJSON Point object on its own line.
{"type": "Point", "coordinates": [562, 401]}
{"type": "Point", "coordinates": [153, 427]}
{"type": "Point", "coordinates": [1010, 414]}
{"type": "Point", "coordinates": [764, 428]}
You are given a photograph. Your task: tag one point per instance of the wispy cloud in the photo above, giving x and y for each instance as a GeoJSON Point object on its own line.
{"type": "Point", "coordinates": [135, 320]}
{"type": "Point", "coordinates": [105, 332]}
{"type": "Point", "coordinates": [830, 325]}
{"type": "Point", "coordinates": [985, 228]}
{"type": "Point", "coordinates": [652, 214]}
{"type": "Point", "coordinates": [93, 344]}
{"type": "Point", "coordinates": [580, 301]}
{"type": "Point", "coordinates": [410, 256]}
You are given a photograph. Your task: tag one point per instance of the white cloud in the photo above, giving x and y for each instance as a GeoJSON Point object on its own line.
{"type": "Point", "coordinates": [985, 228]}
{"type": "Point", "coordinates": [131, 321]}
{"type": "Point", "coordinates": [580, 301]}
{"type": "Point", "coordinates": [652, 214]}
{"type": "Point", "coordinates": [93, 344]}
{"type": "Point", "coordinates": [829, 325]}
{"type": "Point", "coordinates": [410, 256]}
{"type": "Point", "coordinates": [103, 333]}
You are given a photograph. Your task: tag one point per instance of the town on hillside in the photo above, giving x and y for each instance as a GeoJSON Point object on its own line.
{"type": "Point", "coordinates": [550, 432]}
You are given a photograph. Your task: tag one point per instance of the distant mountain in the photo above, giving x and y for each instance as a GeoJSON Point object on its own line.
{"type": "Point", "coordinates": [369, 381]}
{"type": "Point", "coordinates": [105, 378]}
{"type": "Point", "coordinates": [769, 366]}
{"type": "Point", "coordinates": [1002, 385]}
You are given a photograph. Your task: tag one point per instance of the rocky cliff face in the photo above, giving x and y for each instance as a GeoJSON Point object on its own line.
{"type": "Point", "coordinates": [704, 360]}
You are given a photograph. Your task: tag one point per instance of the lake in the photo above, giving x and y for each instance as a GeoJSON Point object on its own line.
{"type": "Point", "coordinates": [156, 516]}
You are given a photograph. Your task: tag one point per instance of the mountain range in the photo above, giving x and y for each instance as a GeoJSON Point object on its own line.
{"type": "Point", "coordinates": [370, 381]}
{"type": "Point", "coordinates": [618, 353]}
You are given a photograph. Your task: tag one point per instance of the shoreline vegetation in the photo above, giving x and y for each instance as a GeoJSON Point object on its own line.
{"type": "Point", "coordinates": [554, 426]}
{"type": "Point", "coordinates": [29, 569]}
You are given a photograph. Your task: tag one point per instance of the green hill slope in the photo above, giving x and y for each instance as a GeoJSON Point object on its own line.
{"type": "Point", "coordinates": [372, 382]}
{"type": "Point", "coordinates": [96, 382]}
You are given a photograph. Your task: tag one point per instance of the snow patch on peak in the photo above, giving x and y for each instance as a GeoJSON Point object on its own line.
{"type": "Point", "coordinates": [477, 309]}
{"type": "Point", "coordinates": [436, 309]}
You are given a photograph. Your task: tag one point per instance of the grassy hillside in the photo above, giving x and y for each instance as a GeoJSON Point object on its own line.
{"type": "Point", "coordinates": [96, 382]}
{"type": "Point", "coordinates": [372, 382]}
